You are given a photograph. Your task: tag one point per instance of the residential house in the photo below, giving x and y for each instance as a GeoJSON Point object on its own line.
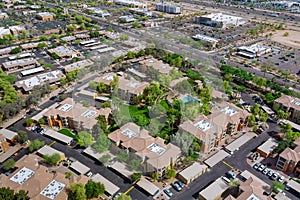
{"type": "Point", "coordinates": [210, 130]}
{"type": "Point", "coordinates": [155, 154]}
{"type": "Point", "coordinates": [289, 104]}
{"type": "Point", "coordinates": [45, 16]}
{"type": "Point", "coordinates": [74, 115]}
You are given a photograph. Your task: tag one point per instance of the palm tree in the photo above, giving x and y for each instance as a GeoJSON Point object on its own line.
{"type": "Point", "coordinates": [234, 186]}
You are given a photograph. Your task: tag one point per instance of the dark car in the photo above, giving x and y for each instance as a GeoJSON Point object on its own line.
{"type": "Point", "coordinates": [168, 192]}
{"type": "Point", "coordinates": [30, 111]}
{"type": "Point", "coordinates": [177, 186]}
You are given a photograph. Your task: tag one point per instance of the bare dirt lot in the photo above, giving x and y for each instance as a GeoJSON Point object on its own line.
{"type": "Point", "coordinates": [292, 40]}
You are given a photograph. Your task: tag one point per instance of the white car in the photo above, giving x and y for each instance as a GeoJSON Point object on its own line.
{"type": "Point", "coordinates": [281, 179]}
{"type": "Point", "coordinates": [270, 173]}
{"type": "Point", "coordinates": [261, 168]}
{"type": "Point", "coordinates": [90, 174]}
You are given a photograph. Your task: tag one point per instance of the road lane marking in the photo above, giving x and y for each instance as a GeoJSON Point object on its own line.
{"type": "Point", "coordinates": [228, 164]}
{"type": "Point", "coordinates": [52, 143]}
{"type": "Point", "coordinates": [129, 189]}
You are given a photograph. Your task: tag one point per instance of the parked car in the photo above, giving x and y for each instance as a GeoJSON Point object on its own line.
{"type": "Point", "coordinates": [274, 176]}
{"type": "Point", "coordinates": [230, 175]}
{"type": "Point", "coordinates": [265, 171]}
{"type": "Point", "coordinates": [256, 165]}
{"type": "Point", "coordinates": [270, 173]}
{"type": "Point", "coordinates": [177, 186]}
{"type": "Point", "coordinates": [42, 131]}
{"type": "Point", "coordinates": [90, 174]}
{"type": "Point", "coordinates": [34, 128]}
{"type": "Point", "coordinates": [281, 179]}
{"type": "Point", "coordinates": [261, 167]}
{"type": "Point", "coordinates": [168, 192]}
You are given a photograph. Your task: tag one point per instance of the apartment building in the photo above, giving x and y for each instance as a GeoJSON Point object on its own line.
{"type": "Point", "coordinates": [74, 115]}
{"type": "Point", "coordinates": [128, 89]}
{"type": "Point", "coordinates": [45, 16]}
{"type": "Point", "coordinates": [210, 130]}
{"type": "Point", "coordinates": [289, 160]}
{"type": "Point", "coordinates": [154, 153]}
{"type": "Point", "coordinates": [39, 180]}
{"type": "Point", "coordinates": [78, 65]}
{"type": "Point", "coordinates": [20, 63]}
{"type": "Point", "coordinates": [289, 104]}
{"type": "Point", "coordinates": [159, 65]}
{"type": "Point", "coordinates": [168, 8]}
{"type": "Point", "coordinates": [3, 144]}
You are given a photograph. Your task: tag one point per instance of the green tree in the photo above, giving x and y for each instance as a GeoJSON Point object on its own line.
{"type": "Point", "coordinates": [41, 45]}
{"type": "Point", "coordinates": [21, 195]}
{"type": "Point", "coordinates": [251, 120]}
{"type": "Point", "coordinates": [124, 37]}
{"type": "Point", "coordinates": [277, 186]}
{"type": "Point", "coordinates": [93, 189]}
{"type": "Point", "coordinates": [170, 173]}
{"type": "Point", "coordinates": [134, 164]}
{"type": "Point", "coordinates": [9, 164]}
{"type": "Point", "coordinates": [68, 175]}
{"type": "Point", "coordinates": [6, 193]}
{"type": "Point", "coordinates": [135, 177]}
{"type": "Point", "coordinates": [77, 192]}
{"type": "Point", "coordinates": [123, 197]}
{"type": "Point", "coordinates": [41, 121]}
{"type": "Point", "coordinates": [29, 121]}
{"type": "Point", "coordinates": [35, 144]}
{"type": "Point", "coordinates": [21, 137]}
{"type": "Point", "coordinates": [102, 143]}
{"type": "Point", "coordinates": [101, 87]}
{"type": "Point", "coordinates": [52, 159]}
{"type": "Point", "coordinates": [255, 109]}
{"type": "Point", "coordinates": [44, 38]}
{"type": "Point", "coordinates": [105, 158]}
{"type": "Point", "coordinates": [93, 85]}
{"type": "Point", "coordinates": [16, 50]}
{"type": "Point", "coordinates": [85, 139]}
{"type": "Point", "coordinates": [282, 115]}
{"type": "Point", "coordinates": [155, 176]}
{"type": "Point", "coordinates": [123, 156]}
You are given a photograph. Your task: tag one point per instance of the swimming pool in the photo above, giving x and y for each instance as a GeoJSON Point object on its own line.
{"type": "Point", "coordinates": [188, 99]}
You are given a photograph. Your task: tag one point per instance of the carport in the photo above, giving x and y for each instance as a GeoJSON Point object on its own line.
{"type": "Point", "coordinates": [79, 167]}
{"type": "Point", "coordinates": [110, 188]}
{"type": "Point", "coordinates": [235, 145]}
{"type": "Point", "coordinates": [218, 157]}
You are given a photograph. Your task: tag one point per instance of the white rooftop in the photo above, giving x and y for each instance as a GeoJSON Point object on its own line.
{"type": "Point", "coordinates": [129, 133]}
{"type": "Point", "coordinates": [89, 113]}
{"type": "Point", "coordinates": [32, 71]}
{"type": "Point", "coordinates": [205, 38]}
{"type": "Point", "coordinates": [79, 167]}
{"type": "Point", "coordinates": [66, 107]}
{"type": "Point", "coordinates": [22, 176]}
{"type": "Point", "coordinates": [229, 111]}
{"type": "Point", "coordinates": [46, 14]}
{"type": "Point", "coordinates": [203, 125]}
{"type": "Point", "coordinates": [53, 189]}
{"type": "Point", "coordinates": [109, 77]}
{"type": "Point", "coordinates": [296, 102]}
{"type": "Point", "coordinates": [220, 17]}
{"type": "Point", "coordinates": [133, 84]}
{"type": "Point", "coordinates": [156, 149]}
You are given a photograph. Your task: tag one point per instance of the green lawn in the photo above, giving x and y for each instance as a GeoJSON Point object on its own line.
{"type": "Point", "coordinates": [67, 132]}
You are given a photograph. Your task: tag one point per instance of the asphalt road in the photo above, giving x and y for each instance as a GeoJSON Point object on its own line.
{"type": "Point", "coordinates": [237, 160]}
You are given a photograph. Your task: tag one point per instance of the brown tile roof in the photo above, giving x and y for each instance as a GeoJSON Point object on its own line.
{"type": "Point", "coordinates": [157, 64]}
{"type": "Point", "coordinates": [142, 141]}
{"type": "Point", "coordinates": [76, 112]}
{"type": "Point", "coordinates": [289, 101]}
{"type": "Point", "coordinates": [290, 154]}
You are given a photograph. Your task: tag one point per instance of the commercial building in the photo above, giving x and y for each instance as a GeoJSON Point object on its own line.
{"type": "Point", "coordinates": [127, 89]}
{"type": "Point", "coordinates": [17, 64]}
{"type": "Point", "coordinates": [74, 115]}
{"type": "Point", "coordinates": [41, 79]}
{"type": "Point", "coordinates": [132, 3]}
{"type": "Point", "coordinates": [226, 118]}
{"type": "Point", "coordinates": [168, 8]}
{"type": "Point", "coordinates": [64, 52]}
{"type": "Point", "coordinates": [219, 20]}
{"type": "Point", "coordinates": [206, 40]}
{"type": "Point", "coordinates": [289, 160]}
{"type": "Point", "coordinates": [154, 153]}
{"type": "Point", "coordinates": [45, 16]}
{"type": "Point", "coordinates": [267, 148]}
{"type": "Point", "coordinates": [253, 51]}
{"type": "Point", "coordinates": [78, 65]}
{"type": "Point", "coordinates": [127, 19]}
{"type": "Point", "coordinates": [192, 172]}
{"type": "Point", "coordinates": [289, 104]}
{"type": "Point", "coordinates": [40, 182]}
{"type": "Point", "coordinates": [33, 45]}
